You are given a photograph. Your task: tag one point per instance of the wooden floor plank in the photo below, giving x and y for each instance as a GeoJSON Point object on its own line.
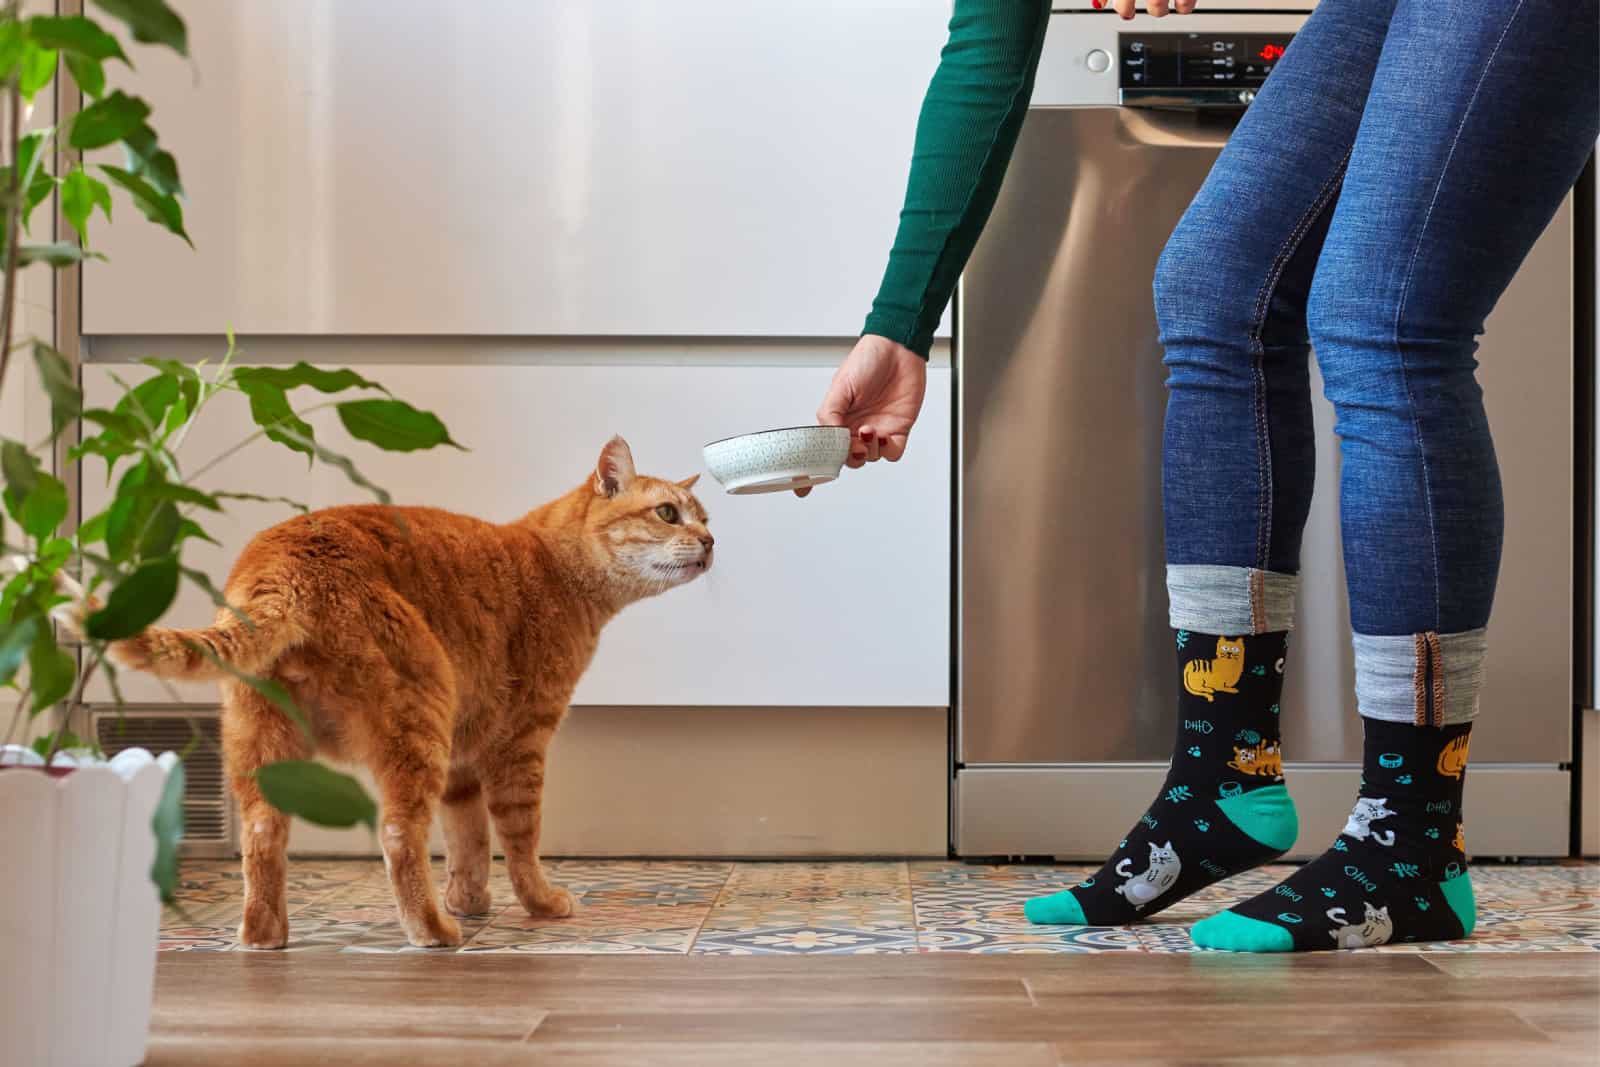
{"type": "Point", "coordinates": [278, 1009]}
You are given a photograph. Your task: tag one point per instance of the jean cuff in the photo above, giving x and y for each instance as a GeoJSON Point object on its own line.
{"type": "Point", "coordinates": [1423, 679]}
{"type": "Point", "coordinates": [1230, 600]}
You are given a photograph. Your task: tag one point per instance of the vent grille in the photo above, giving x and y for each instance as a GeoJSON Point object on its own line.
{"type": "Point", "coordinates": [207, 819]}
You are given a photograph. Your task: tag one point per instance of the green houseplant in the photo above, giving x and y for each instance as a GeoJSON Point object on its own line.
{"type": "Point", "coordinates": [105, 157]}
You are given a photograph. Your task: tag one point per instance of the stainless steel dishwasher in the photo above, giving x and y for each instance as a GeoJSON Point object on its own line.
{"type": "Point", "coordinates": [1066, 696]}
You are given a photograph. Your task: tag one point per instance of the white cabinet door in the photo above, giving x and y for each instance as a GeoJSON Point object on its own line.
{"type": "Point", "coordinates": [699, 167]}
{"type": "Point", "coordinates": [839, 599]}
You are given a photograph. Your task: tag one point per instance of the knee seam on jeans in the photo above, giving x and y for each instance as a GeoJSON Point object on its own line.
{"type": "Point", "coordinates": [1258, 318]}
{"type": "Point", "coordinates": [1405, 293]}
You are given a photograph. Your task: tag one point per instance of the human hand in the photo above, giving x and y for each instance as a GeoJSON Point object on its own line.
{"type": "Point", "coordinates": [877, 392]}
{"type": "Point", "coordinates": [1158, 8]}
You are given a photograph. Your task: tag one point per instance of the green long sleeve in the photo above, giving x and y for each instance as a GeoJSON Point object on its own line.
{"type": "Point", "coordinates": [968, 127]}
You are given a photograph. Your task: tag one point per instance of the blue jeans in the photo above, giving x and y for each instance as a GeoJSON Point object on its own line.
{"type": "Point", "coordinates": [1372, 206]}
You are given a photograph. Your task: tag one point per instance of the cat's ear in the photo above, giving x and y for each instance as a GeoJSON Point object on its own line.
{"type": "Point", "coordinates": [688, 483]}
{"type": "Point", "coordinates": [614, 471]}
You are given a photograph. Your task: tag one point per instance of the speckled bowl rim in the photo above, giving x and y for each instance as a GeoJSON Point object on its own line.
{"type": "Point", "coordinates": [781, 429]}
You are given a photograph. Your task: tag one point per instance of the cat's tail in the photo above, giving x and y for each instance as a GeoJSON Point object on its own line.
{"type": "Point", "coordinates": [187, 655]}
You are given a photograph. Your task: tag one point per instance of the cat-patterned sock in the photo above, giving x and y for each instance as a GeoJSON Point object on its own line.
{"type": "Point", "coordinates": [1223, 807]}
{"type": "Point", "coordinates": [1398, 872]}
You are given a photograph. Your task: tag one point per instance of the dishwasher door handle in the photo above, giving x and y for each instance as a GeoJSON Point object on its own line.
{"type": "Point", "coordinates": [1171, 128]}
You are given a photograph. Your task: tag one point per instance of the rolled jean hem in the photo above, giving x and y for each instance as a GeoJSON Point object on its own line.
{"type": "Point", "coordinates": [1220, 600]}
{"type": "Point", "coordinates": [1423, 679]}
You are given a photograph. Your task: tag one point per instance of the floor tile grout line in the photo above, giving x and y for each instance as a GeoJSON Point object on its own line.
{"type": "Point", "coordinates": [694, 939]}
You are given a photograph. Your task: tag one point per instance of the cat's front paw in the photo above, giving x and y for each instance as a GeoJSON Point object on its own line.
{"type": "Point", "coordinates": [263, 928]}
{"type": "Point", "coordinates": [552, 902]}
{"type": "Point", "coordinates": [465, 900]}
{"type": "Point", "coordinates": [442, 932]}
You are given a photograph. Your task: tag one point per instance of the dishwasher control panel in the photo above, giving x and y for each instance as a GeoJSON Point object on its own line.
{"type": "Point", "coordinates": [1196, 69]}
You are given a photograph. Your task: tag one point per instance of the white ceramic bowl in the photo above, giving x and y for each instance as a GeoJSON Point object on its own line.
{"type": "Point", "coordinates": [773, 461]}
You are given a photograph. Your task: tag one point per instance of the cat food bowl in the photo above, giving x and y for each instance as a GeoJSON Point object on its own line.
{"type": "Point", "coordinates": [774, 461]}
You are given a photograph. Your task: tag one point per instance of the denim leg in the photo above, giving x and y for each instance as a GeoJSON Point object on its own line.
{"type": "Point", "coordinates": [1231, 290]}
{"type": "Point", "coordinates": [1478, 122]}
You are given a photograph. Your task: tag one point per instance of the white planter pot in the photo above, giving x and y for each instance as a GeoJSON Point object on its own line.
{"type": "Point", "coordinates": [79, 915]}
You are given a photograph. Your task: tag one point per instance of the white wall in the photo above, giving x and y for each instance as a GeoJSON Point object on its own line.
{"type": "Point", "coordinates": [702, 167]}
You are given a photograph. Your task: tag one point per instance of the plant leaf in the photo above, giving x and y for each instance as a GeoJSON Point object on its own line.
{"type": "Point", "coordinates": [147, 159]}
{"type": "Point", "coordinates": [57, 254]}
{"type": "Point", "coordinates": [269, 406]}
{"type": "Point", "coordinates": [160, 531]}
{"type": "Point", "coordinates": [128, 511]}
{"type": "Point", "coordinates": [80, 195]}
{"type": "Point", "coordinates": [21, 475]}
{"type": "Point", "coordinates": [316, 793]}
{"type": "Point", "coordinates": [30, 168]}
{"type": "Point", "coordinates": [38, 67]}
{"type": "Point", "coordinates": [150, 398]}
{"type": "Point", "coordinates": [324, 381]}
{"type": "Point", "coordinates": [45, 506]}
{"type": "Point", "coordinates": [183, 494]}
{"type": "Point", "coordinates": [160, 208]}
{"type": "Point", "coordinates": [266, 687]}
{"type": "Point", "coordinates": [188, 528]}
{"type": "Point", "coordinates": [393, 425]}
{"type": "Point", "coordinates": [139, 600]}
{"type": "Point", "coordinates": [16, 638]}
{"type": "Point", "coordinates": [75, 33]}
{"type": "Point", "coordinates": [93, 530]}
{"type": "Point", "coordinates": [89, 74]}
{"type": "Point", "coordinates": [263, 500]}
{"type": "Point", "coordinates": [66, 399]}
{"type": "Point", "coordinates": [107, 121]}
{"type": "Point", "coordinates": [150, 22]}
{"type": "Point", "coordinates": [45, 742]}
{"type": "Point", "coordinates": [167, 825]}
{"type": "Point", "coordinates": [51, 671]}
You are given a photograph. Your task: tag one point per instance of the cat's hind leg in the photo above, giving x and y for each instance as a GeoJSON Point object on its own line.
{"type": "Point", "coordinates": [255, 733]}
{"type": "Point", "coordinates": [515, 786]}
{"type": "Point", "coordinates": [466, 842]}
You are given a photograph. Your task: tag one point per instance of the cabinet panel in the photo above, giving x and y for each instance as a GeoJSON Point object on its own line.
{"type": "Point", "coordinates": [839, 599]}
{"type": "Point", "coordinates": [703, 168]}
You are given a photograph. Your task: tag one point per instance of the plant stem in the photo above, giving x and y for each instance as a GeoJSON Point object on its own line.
{"type": "Point", "coordinates": [13, 214]}
{"type": "Point", "coordinates": [77, 701]}
{"type": "Point", "coordinates": [252, 439]}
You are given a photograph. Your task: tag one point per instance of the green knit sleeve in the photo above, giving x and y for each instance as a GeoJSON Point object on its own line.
{"type": "Point", "coordinates": [970, 119]}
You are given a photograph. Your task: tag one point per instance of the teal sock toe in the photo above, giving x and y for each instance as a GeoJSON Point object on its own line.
{"type": "Point", "coordinates": [1060, 907]}
{"type": "Point", "coordinates": [1233, 932]}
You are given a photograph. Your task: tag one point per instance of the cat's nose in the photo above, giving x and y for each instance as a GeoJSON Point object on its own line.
{"type": "Point", "coordinates": [706, 541]}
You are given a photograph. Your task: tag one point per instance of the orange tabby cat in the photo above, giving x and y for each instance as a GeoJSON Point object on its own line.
{"type": "Point", "coordinates": [442, 656]}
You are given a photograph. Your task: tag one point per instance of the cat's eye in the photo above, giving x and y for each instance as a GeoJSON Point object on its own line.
{"type": "Point", "coordinates": [668, 513]}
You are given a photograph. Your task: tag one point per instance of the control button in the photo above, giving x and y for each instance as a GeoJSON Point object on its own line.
{"type": "Point", "coordinates": [1098, 61]}
{"type": "Point", "coordinates": [1246, 96]}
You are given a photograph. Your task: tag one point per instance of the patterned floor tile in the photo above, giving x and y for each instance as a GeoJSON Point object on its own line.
{"type": "Point", "coordinates": [717, 908]}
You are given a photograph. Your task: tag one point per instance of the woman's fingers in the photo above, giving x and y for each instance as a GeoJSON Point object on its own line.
{"type": "Point", "coordinates": [1160, 8]}
{"type": "Point", "coordinates": [1184, 7]}
{"type": "Point", "coordinates": [1125, 8]}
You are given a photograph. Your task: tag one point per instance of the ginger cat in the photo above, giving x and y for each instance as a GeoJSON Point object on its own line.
{"type": "Point", "coordinates": [441, 656]}
{"type": "Point", "coordinates": [1264, 758]}
{"type": "Point", "coordinates": [1203, 677]}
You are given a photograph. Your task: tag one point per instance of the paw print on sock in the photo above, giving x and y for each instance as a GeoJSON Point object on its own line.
{"type": "Point", "coordinates": [1433, 832]}
{"type": "Point", "coordinates": [1178, 794]}
{"type": "Point", "coordinates": [1339, 845]}
{"type": "Point", "coordinates": [1202, 825]}
{"type": "Point", "coordinates": [1249, 737]}
{"type": "Point", "coordinates": [1402, 779]}
{"type": "Point", "coordinates": [1183, 638]}
{"type": "Point", "coordinates": [1327, 892]}
{"type": "Point", "coordinates": [1258, 670]}
{"type": "Point", "coordinates": [1274, 709]}
{"type": "Point", "coordinates": [1194, 750]}
{"type": "Point", "coordinates": [1422, 903]}
{"type": "Point", "coordinates": [1405, 870]}
{"type": "Point", "coordinates": [1123, 843]}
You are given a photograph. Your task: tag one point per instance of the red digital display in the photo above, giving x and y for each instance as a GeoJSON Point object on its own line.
{"type": "Point", "coordinates": [1272, 52]}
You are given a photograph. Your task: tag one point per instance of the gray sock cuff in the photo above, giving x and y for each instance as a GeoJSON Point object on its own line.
{"type": "Point", "coordinates": [1230, 600]}
{"type": "Point", "coordinates": [1424, 679]}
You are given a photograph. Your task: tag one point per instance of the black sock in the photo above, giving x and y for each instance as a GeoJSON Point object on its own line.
{"type": "Point", "coordinates": [1398, 872]}
{"type": "Point", "coordinates": [1223, 807]}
